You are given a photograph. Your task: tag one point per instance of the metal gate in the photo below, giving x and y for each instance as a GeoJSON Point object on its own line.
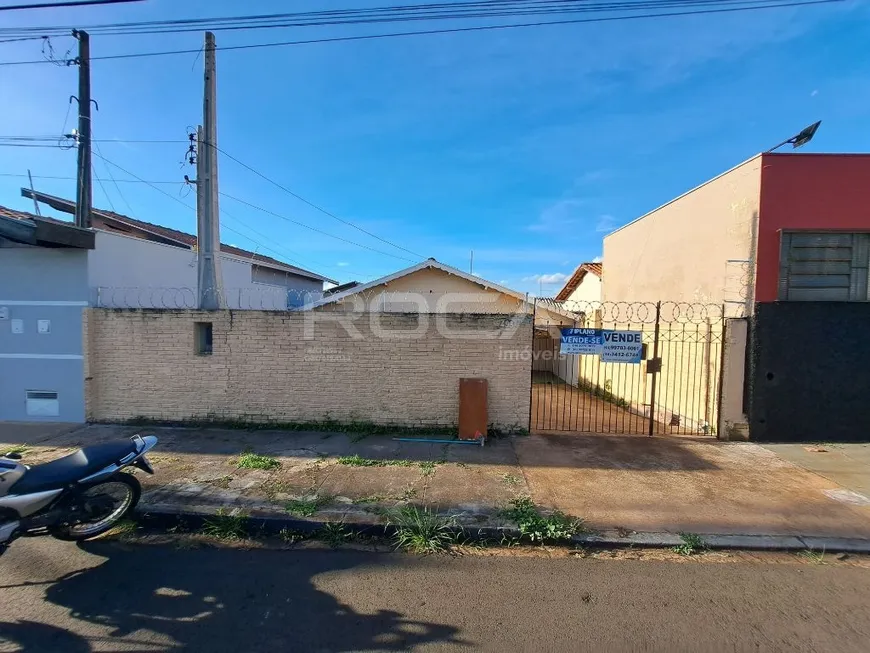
{"type": "Point", "coordinates": [673, 390]}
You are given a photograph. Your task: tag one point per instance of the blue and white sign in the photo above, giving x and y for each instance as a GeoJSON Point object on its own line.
{"type": "Point", "coordinates": [581, 341]}
{"type": "Point", "coordinates": [622, 346]}
{"type": "Point", "coordinates": [612, 346]}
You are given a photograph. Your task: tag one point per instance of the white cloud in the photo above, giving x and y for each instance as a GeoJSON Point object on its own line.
{"type": "Point", "coordinates": [598, 259]}
{"type": "Point", "coordinates": [605, 223]}
{"type": "Point", "coordinates": [342, 264]}
{"type": "Point", "coordinates": [558, 215]}
{"type": "Point", "coordinates": [555, 277]}
{"type": "Point", "coordinates": [814, 93]}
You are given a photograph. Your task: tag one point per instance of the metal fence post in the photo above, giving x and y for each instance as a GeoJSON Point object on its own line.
{"type": "Point", "coordinates": [654, 366]}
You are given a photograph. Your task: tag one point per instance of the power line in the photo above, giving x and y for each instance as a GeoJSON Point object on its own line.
{"type": "Point", "coordinates": [315, 206]}
{"type": "Point", "coordinates": [68, 3]}
{"type": "Point", "coordinates": [315, 229]}
{"type": "Point", "coordinates": [112, 177]}
{"type": "Point", "coordinates": [388, 14]}
{"type": "Point", "coordinates": [183, 203]}
{"type": "Point", "coordinates": [122, 181]}
{"type": "Point", "coordinates": [477, 28]}
{"type": "Point", "coordinates": [37, 139]}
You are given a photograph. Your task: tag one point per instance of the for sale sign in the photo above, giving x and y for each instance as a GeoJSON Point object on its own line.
{"type": "Point", "coordinates": [581, 341]}
{"type": "Point", "coordinates": [621, 346]}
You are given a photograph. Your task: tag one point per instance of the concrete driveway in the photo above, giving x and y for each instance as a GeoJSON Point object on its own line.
{"type": "Point", "coordinates": [675, 484]}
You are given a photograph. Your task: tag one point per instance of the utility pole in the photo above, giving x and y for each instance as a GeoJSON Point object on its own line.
{"type": "Point", "coordinates": [208, 217]}
{"type": "Point", "coordinates": [84, 193]}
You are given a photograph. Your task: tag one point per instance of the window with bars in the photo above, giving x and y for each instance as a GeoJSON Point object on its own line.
{"type": "Point", "coordinates": [824, 266]}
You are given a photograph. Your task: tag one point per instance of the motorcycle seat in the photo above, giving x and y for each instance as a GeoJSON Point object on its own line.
{"type": "Point", "coordinates": [74, 467]}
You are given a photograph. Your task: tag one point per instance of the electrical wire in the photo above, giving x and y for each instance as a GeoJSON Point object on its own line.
{"type": "Point", "coordinates": [176, 199]}
{"type": "Point", "coordinates": [315, 206]}
{"type": "Point", "coordinates": [112, 177]}
{"type": "Point", "coordinates": [122, 181]}
{"type": "Point", "coordinates": [68, 3]}
{"type": "Point", "coordinates": [477, 28]}
{"type": "Point", "coordinates": [388, 14]}
{"type": "Point", "coordinates": [36, 139]}
{"type": "Point", "coordinates": [185, 204]}
{"type": "Point", "coordinates": [314, 229]}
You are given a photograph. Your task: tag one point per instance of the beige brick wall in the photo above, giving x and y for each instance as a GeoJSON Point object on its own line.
{"type": "Point", "coordinates": [269, 366]}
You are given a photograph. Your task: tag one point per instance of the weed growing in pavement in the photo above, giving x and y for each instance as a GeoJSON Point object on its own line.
{"type": "Point", "coordinates": [226, 527]}
{"type": "Point", "coordinates": [358, 461]}
{"type": "Point", "coordinates": [541, 528]}
{"type": "Point", "coordinates": [419, 530]}
{"type": "Point", "coordinates": [289, 536]}
{"type": "Point", "coordinates": [816, 557]}
{"type": "Point", "coordinates": [511, 479]}
{"type": "Point", "coordinates": [692, 544]}
{"type": "Point", "coordinates": [250, 460]}
{"type": "Point", "coordinates": [334, 533]}
{"type": "Point", "coordinates": [223, 482]}
{"type": "Point", "coordinates": [306, 507]}
{"type": "Point", "coordinates": [428, 467]}
{"type": "Point", "coordinates": [124, 528]}
{"type": "Point", "coordinates": [372, 498]}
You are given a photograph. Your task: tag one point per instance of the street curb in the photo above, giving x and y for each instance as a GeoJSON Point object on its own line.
{"type": "Point", "coordinates": [166, 516]}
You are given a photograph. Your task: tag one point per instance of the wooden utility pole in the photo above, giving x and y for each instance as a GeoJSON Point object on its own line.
{"type": "Point", "coordinates": [84, 192]}
{"type": "Point", "coordinates": [208, 216]}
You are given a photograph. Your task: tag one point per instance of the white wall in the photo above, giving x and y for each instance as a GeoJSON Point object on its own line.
{"type": "Point", "coordinates": [134, 273]}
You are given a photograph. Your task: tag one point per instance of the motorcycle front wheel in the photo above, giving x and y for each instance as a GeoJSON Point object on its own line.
{"type": "Point", "coordinates": [96, 508]}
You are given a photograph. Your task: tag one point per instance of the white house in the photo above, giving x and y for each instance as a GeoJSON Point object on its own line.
{"type": "Point", "coordinates": [137, 264]}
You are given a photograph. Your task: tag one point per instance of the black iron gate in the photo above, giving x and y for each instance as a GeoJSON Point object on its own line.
{"type": "Point", "coordinates": [674, 389]}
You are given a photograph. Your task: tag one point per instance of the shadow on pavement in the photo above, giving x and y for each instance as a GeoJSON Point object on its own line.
{"type": "Point", "coordinates": [224, 599]}
{"type": "Point", "coordinates": [27, 636]}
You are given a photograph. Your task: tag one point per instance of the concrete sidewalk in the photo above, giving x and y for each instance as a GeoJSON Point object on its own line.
{"type": "Point", "coordinates": [626, 487]}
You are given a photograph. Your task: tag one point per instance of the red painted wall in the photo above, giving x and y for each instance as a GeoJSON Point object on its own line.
{"type": "Point", "coordinates": [822, 192]}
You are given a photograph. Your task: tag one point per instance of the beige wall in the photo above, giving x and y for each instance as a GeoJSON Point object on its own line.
{"type": "Point", "coordinates": [680, 252]}
{"type": "Point", "coordinates": [732, 420]}
{"type": "Point", "coordinates": [271, 367]}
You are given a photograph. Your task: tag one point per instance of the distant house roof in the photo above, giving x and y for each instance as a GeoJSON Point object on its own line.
{"type": "Point", "coordinates": [35, 230]}
{"type": "Point", "coordinates": [576, 279]}
{"type": "Point", "coordinates": [163, 234]}
{"type": "Point", "coordinates": [340, 288]}
{"type": "Point", "coordinates": [430, 263]}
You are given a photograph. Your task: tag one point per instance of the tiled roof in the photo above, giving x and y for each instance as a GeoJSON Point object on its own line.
{"type": "Point", "coordinates": [571, 285]}
{"type": "Point", "coordinates": [171, 234]}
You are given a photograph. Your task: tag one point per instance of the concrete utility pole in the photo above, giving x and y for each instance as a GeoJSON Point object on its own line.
{"type": "Point", "coordinates": [84, 192]}
{"type": "Point", "coordinates": [208, 217]}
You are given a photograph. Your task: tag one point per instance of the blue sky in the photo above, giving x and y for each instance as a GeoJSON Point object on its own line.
{"type": "Point", "coordinates": [524, 145]}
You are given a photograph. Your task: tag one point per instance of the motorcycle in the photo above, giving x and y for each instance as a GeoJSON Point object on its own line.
{"type": "Point", "coordinates": [76, 497]}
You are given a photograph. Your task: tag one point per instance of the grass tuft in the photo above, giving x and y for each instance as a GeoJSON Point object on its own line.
{"type": "Point", "coordinates": [538, 527]}
{"type": "Point", "coordinates": [289, 536]}
{"type": "Point", "coordinates": [810, 555]}
{"type": "Point", "coordinates": [419, 530]}
{"type": "Point", "coordinates": [226, 527]}
{"type": "Point", "coordinates": [306, 507]}
{"type": "Point", "coordinates": [692, 544]}
{"type": "Point", "coordinates": [334, 533]}
{"type": "Point", "coordinates": [358, 461]}
{"type": "Point", "coordinates": [250, 460]}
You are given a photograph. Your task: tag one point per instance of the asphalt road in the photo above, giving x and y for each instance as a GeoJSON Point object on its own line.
{"type": "Point", "coordinates": [112, 597]}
